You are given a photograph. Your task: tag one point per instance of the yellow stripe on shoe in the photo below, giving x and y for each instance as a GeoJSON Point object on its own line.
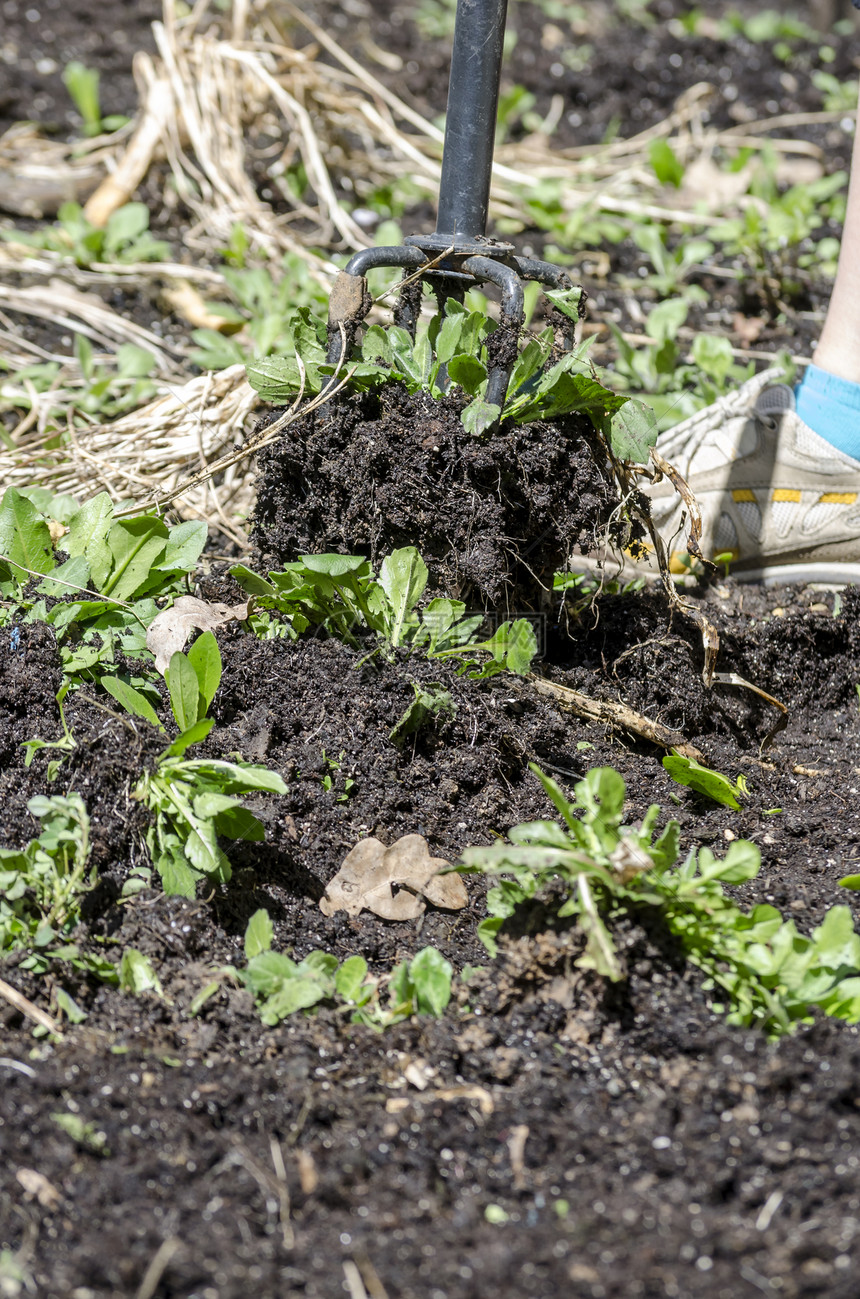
{"type": "Point", "coordinates": [786, 494]}
{"type": "Point", "coordinates": [742, 494]}
{"type": "Point", "coordinates": [837, 498]}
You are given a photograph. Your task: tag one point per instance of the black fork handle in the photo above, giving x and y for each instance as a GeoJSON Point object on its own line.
{"type": "Point", "coordinates": [470, 124]}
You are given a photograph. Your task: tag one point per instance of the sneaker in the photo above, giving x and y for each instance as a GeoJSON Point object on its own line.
{"type": "Point", "coordinates": [778, 502]}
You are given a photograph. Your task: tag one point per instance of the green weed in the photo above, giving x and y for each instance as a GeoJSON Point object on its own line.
{"type": "Point", "coordinates": [262, 307]}
{"type": "Point", "coordinates": [282, 986]}
{"type": "Point", "coordinates": [585, 226]}
{"type": "Point", "coordinates": [43, 885]}
{"type": "Point", "coordinates": [94, 388]}
{"type": "Point", "coordinates": [451, 353]}
{"type": "Point", "coordinates": [82, 84]}
{"type": "Point", "coordinates": [837, 96]}
{"type": "Point", "coordinates": [702, 780]}
{"type": "Point", "coordinates": [333, 779]}
{"type": "Point", "coordinates": [758, 968]}
{"type": "Point", "coordinates": [84, 1133]}
{"type": "Point", "coordinates": [767, 26]}
{"type": "Point", "coordinates": [194, 801]}
{"type": "Point", "coordinates": [125, 238]}
{"type": "Point", "coordinates": [671, 266]}
{"type": "Point", "coordinates": [773, 236]}
{"type": "Point", "coordinates": [42, 888]}
{"type": "Point", "coordinates": [103, 593]}
{"type": "Point", "coordinates": [340, 594]}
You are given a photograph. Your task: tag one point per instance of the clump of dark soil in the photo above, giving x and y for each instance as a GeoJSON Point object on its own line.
{"type": "Point", "coordinates": [493, 518]}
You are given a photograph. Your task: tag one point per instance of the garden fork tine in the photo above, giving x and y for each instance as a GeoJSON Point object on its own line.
{"type": "Point", "coordinates": [458, 254]}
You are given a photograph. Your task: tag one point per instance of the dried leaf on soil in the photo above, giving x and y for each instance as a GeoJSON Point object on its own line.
{"type": "Point", "coordinates": [170, 629]}
{"type": "Point", "coordinates": [371, 873]}
{"type": "Point", "coordinates": [36, 1186]}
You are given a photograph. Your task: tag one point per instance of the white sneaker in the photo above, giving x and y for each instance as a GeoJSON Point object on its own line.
{"type": "Point", "coordinates": [778, 502]}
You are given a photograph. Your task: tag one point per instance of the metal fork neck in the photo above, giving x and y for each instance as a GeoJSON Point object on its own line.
{"type": "Point", "coordinates": [470, 123]}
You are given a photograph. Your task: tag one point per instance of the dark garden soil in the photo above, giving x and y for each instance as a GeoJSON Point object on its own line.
{"type": "Point", "coordinates": [492, 519]}
{"type": "Point", "coordinates": [555, 1136]}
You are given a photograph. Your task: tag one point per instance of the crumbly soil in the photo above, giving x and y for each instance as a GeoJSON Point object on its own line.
{"type": "Point", "coordinates": [494, 518]}
{"type": "Point", "coordinates": [554, 1135]}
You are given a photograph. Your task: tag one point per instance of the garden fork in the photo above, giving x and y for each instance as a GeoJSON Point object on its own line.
{"type": "Point", "coordinates": [458, 255]}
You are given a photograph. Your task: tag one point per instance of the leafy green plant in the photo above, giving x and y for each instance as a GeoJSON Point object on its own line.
{"type": "Point", "coordinates": [758, 968]}
{"type": "Point", "coordinates": [282, 986]}
{"type": "Point", "coordinates": [64, 745]}
{"type": "Point", "coordinates": [516, 107]}
{"type": "Point", "coordinates": [666, 164]}
{"type": "Point", "coordinates": [128, 562]}
{"type": "Point", "coordinates": [771, 235]}
{"type": "Point", "coordinates": [702, 780]}
{"type": "Point", "coordinates": [82, 84]}
{"type": "Point", "coordinates": [113, 570]}
{"type": "Point", "coordinates": [125, 238]}
{"type": "Point", "coordinates": [341, 594]}
{"type": "Point", "coordinates": [196, 800]}
{"type": "Point", "coordinates": [838, 95]}
{"type": "Point", "coordinates": [137, 974]}
{"type": "Point", "coordinates": [83, 1132]}
{"type": "Point", "coordinates": [42, 886]}
{"type": "Point", "coordinates": [573, 227]}
{"type": "Point", "coordinates": [452, 353]}
{"type": "Point", "coordinates": [675, 387]}
{"type": "Point", "coordinates": [656, 367]}
{"type": "Point", "coordinates": [671, 266]}
{"type": "Point", "coordinates": [428, 703]}
{"type": "Point", "coordinates": [766, 26]}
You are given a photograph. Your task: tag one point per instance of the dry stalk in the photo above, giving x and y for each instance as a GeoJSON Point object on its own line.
{"type": "Point", "coordinates": [614, 714]}
{"type": "Point", "coordinates": [150, 451]}
{"type": "Point", "coordinates": [25, 1006]}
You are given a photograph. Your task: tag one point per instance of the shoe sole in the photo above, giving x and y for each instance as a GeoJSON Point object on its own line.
{"type": "Point", "coordinates": [832, 574]}
{"type": "Point", "coordinates": [827, 572]}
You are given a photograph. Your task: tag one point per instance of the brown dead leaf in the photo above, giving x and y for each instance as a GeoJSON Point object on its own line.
{"type": "Point", "coordinates": [629, 860]}
{"type": "Point", "coordinates": [794, 170]}
{"type": "Point", "coordinates": [705, 181]}
{"type": "Point", "coordinates": [395, 883]}
{"type": "Point", "coordinates": [170, 629]}
{"type": "Point", "coordinates": [36, 1186]}
{"type": "Point", "coordinates": [747, 328]}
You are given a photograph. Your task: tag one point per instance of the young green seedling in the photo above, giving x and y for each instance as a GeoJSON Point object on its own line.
{"type": "Point", "coordinates": [125, 237]}
{"type": "Point", "coordinates": [340, 594]}
{"type": "Point", "coordinates": [82, 84]}
{"type": "Point", "coordinates": [194, 801]}
{"type": "Point", "coordinates": [283, 986]}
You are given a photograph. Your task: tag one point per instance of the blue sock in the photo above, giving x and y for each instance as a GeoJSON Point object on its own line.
{"type": "Point", "coordinates": [830, 406]}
